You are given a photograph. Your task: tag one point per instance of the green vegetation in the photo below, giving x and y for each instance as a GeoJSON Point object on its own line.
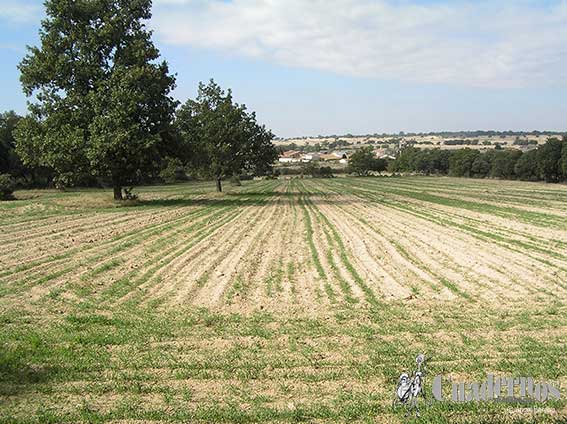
{"type": "Point", "coordinates": [546, 163]}
{"type": "Point", "coordinates": [284, 301]}
{"type": "Point", "coordinates": [363, 161]}
{"type": "Point", "coordinates": [101, 112]}
{"type": "Point", "coordinates": [100, 115]}
{"type": "Point", "coordinates": [7, 187]}
{"type": "Point", "coordinates": [222, 137]}
{"type": "Point", "coordinates": [295, 300]}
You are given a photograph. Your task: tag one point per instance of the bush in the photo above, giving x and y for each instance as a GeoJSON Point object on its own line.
{"type": "Point", "coordinates": [291, 171]}
{"type": "Point", "coordinates": [326, 172]}
{"type": "Point", "coordinates": [7, 185]}
{"type": "Point", "coordinates": [363, 161]}
{"type": "Point", "coordinates": [526, 168]}
{"type": "Point", "coordinates": [173, 171]}
{"type": "Point", "coordinates": [235, 180]}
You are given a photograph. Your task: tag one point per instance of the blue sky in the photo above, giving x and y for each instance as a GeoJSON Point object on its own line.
{"type": "Point", "coordinates": [310, 67]}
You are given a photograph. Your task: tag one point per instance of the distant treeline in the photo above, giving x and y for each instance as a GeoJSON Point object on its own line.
{"type": "Point", "coordinates": [396, 141]}
{"type": "Point", "coordinates": [456, 134]}
{"type": "Point", "coordinates": [333, 145]}
{"type": "Point", "coordinates": [337, 145]}
{"type": "Point", "coordinates": [546, 163]}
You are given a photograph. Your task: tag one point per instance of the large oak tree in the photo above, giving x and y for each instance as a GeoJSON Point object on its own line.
{"type": "Point", "coordinates": [103, 104]}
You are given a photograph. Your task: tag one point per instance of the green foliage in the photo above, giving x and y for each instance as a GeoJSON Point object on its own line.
{"type": "Point", "coordinates": [363, 161]}
{"type": "Point", "coordinates": [549, 160]}
{"type": "Point", "coordinates": [480, 168]}
{"type": "Point", "coordinates": [235, 180]}
{"type": "Point", "coordinates": [527, 167]}
{"type": "Point", "coordinates": [326, 172]}
{"type": "Point", "coordinates": [310, 168]}
{"type": "Point", "coordinates": [428, 161]}
{"type": "Point", "coordinates": [461, 162]}
{"type": "Point", "coordinates": [7, 186]}
{"type": "Point", "coordinates": [103, 103]}
{"type": "Point", "coordinates": [223, 138]}
{"type": "Point", "coordinates": [9, 161]}
{"type": "Point", "coordinates": [173, 171]}
{"type": "Point", "coordinates": [502, 163]}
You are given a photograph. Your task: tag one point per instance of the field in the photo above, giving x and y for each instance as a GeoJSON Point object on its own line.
{"type": "Point", "coordinates": [423, 141]}
{"type": "Point", "coordinates": [298, 300]}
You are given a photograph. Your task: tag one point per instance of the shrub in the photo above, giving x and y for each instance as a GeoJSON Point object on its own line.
{"type": "Point", "coordinates": [326, 172]}
{"type": "Point", "coordinates": [363, 161]}
{"type": "Point", "coordinates": [173, 171]}
{"type": "Point", "coordinates": [526, 168]}
{"type": "Point", "coordinates": [7, 185]}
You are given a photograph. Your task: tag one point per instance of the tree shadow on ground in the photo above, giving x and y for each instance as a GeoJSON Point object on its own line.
{"type": "Point", "coordinates": [18, 377]}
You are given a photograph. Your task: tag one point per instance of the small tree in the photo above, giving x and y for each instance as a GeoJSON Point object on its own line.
{"type": "Point", "coordinates": [223, 138]}
{"type": "Point", "coordinates": [461, 162]}
{"type": "Point", "coordinates": [326, 172]}
{"type": "Point", "coordinates": [7, 186]}
{"type": "Point", "coordinates": [172, 171]}
{"type": "Point", "coordinates": [9, 161]}
{"type": "Point", "coordinates": [103, 102]}
{"type": "Point", "coordinates": [502, 163]}
{"type": "Point", "coordinates": [480, 167]}
{"type": "Point", "coordinates": [526, 168]}
{"type": "Point", "coordinates": [363, 161]}
{"type": "Point", "coordinates": [549, 160]}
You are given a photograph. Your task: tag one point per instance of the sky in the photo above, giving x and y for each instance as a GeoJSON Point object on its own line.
{"type": "Point", "coordinates": [321, 67]}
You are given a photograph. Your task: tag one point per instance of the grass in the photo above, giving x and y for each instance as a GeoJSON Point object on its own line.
{"type": "Point", "coordinates": [97, 332]}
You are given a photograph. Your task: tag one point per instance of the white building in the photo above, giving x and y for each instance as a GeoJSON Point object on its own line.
{"type": "Point", "coordinates": [308, 157]}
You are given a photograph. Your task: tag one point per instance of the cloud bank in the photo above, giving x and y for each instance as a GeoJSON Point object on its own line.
{"type": "Point", "coordinates": [18, 12]}
{"type": "Point", "coordinates": [470, 43]}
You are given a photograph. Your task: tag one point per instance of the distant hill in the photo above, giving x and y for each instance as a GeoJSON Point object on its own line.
{"type": "Point", "coordinates": [445, 140]}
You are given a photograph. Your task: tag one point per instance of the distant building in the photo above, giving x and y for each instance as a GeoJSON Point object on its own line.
{"type": "Point", "coordinates": [308, 157]}
{"type": "Point", "coordinates": [290, 156]}
{"type": "Point", "coordinates": [340, 154]}
{"type": "Point", "coordinates": [329, 157]}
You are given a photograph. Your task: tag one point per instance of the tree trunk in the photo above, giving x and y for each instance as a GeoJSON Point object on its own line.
{"type": "Point", "coordinates": [219, 184]}
{"type": "Point", "coordinates": [118, 192]}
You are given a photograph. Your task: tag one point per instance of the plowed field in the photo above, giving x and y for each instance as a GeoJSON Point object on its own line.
{"type": "Point", "coordinates": [298, 300]}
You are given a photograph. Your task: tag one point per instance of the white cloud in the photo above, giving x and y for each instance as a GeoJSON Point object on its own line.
{"type": "Point", "coordinates": [473, 43]}
{"type": "Point", "coordinates": [19, 11]}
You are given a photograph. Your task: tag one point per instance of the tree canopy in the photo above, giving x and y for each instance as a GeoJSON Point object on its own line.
{"type": "Point", "coordinates": [9, 160]}
{"type": "Point", "coordinates": [363, 161]}
{"type": "Point", "coordinates": [103, 101]}
{"type": "Point", "coordinates": [223, 138]}
{"type": "Point", "coordinates": [548, 162]}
